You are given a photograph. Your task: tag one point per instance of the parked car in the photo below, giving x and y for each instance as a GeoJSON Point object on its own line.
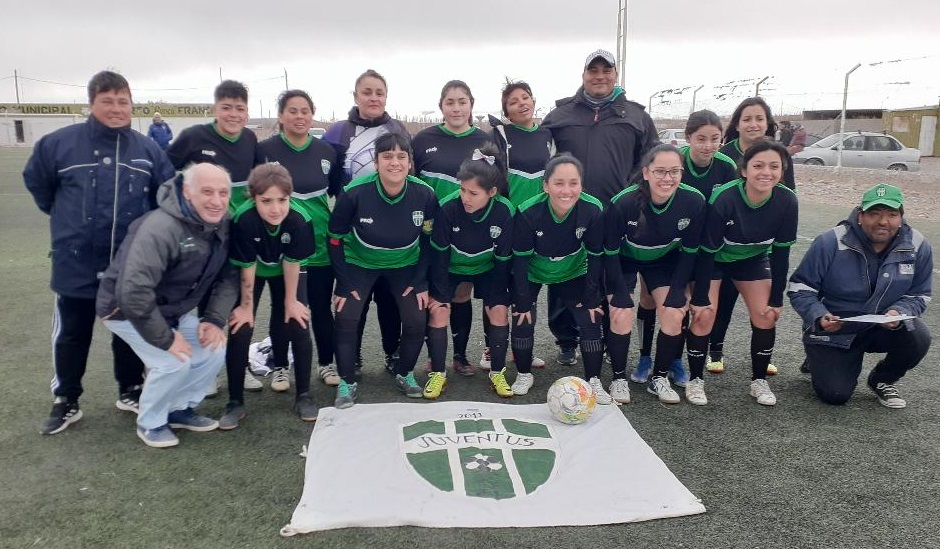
{"type": "Point", "coordinates": [673, 137]}
{"type": "Point", "coordinates": [861, 150]}
{"type": "Point", "coordinates": [317, 132]}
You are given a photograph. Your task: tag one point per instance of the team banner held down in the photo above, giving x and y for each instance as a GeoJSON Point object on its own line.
{"type": "Point", "coordinates": [474, 464]}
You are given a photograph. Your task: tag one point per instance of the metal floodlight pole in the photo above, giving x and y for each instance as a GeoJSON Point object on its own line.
{"type": "Point", "coordinates": [845, 98]}
{"type": "Point", "coordinates": [757, 86]}
{"type": "Point", "coordinates": [622, 41]}
{"type": "Point", "coordinates": [694, 93]}
{"type": "Point", "coordinates": [286, 87]}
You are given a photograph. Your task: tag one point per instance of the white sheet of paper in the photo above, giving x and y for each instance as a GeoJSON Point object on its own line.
{"type": "Point", "coordinates": [876, 319]}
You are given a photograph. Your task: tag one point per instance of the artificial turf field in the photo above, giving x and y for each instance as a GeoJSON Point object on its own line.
{"type": "Point", "coordinates": [801, 474]}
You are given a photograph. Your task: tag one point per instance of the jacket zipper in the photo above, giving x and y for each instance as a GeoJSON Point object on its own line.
{"type": "Point", "coordinates": [117, 190]}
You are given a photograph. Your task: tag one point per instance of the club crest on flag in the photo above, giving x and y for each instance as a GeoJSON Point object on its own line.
{"type": "Point", "coordinates": [495, 231]}
{"type": "Point", "coordinates": [482, 458]}
{"type": "Point", "coordinates": [417, 217]}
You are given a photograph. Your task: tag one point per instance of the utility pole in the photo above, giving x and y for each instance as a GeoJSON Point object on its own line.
{"type": "Point", "coordinates": [16, 85]}
{"type": "Point", "coordinates": [286, 87]}
{"type": "Point", "coordinates": [757, 86]}
{"type": "Point", "coordinates": [694, 93]}
{"type": "Point", "coordinates": [622, 41]}
{"type": "Point", "coordinates": [220, 74]}
{"type": "Point", "coordinates": [845, 98]}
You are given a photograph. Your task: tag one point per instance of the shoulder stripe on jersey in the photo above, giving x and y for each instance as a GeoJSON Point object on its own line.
{"type": "Point", "coordinates": [527, 175]}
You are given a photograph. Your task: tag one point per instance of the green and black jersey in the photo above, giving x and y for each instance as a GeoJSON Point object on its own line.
{"type": "Point", "coordinates": [316, 174]}
{"type": "Point", "coordinates": [380, 231]}
{"type": "Point", "coordinates": [255, 243]}
{"type": "Point", "coordinates": [720, 171]}
{"type": "Point", "coordinates": [527, 150]}
{"type": "Point", "coordinates": [238, 155]}
{"type": "Point", "coordinates": [438, 153]}
{"type": "Point", "coordinates": [732, 150]}
{"type": "Point", "coordinates": [473, 242]}
{"type": "Point", "coordinates": [736, 229]}
{"type": "Point", "coordinates": [675, 225]}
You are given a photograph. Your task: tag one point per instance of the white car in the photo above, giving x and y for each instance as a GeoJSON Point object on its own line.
{"type": "Point", "coordinates": [861, 150]}
{"type": "Point", "coordinates": [673, 137]}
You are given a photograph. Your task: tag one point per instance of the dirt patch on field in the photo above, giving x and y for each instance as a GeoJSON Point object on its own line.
{"type": "Point", "coordinates": [825, 185]}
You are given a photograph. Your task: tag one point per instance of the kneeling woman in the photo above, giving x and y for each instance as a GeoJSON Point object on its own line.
{"type": "Point", "coordinates": [653, 228]}
{"type": "Point", "coordinates": [380, 229]}
{"type": "Point", "coordinates": [558, 240]}
{"type": "Point", "coordinates": [472, 240]}
{"type": "Point", "coordinates": [271, 238]}
{"type": "Point", "coordinates": [747, 218]}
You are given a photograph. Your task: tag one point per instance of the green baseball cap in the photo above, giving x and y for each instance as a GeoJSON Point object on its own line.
{"type": "Point", "coordinates": [883, 194]}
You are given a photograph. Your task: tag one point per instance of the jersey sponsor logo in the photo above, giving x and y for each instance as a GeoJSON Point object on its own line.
{"type": "Point", "coordinates": [729, 223]}
{"type": "Point", "coordinates": [285, 238]}
{"type": "Point", "coordinates": [633, 224]}
{"type": "Point", "coordinates": [431, 150]}
{"type": "Point", "coordinates": [539, 233]}
{"type": "Point", "coordinates": [257, 239]}
{"type": "Point", "coordinates": [208, 152]}
{"type": "Point", "coordinates": [683, 223]}
{"type": "Point", "coordinates": [325, 166]}
{"type": "Point", "coordinates": [906, 268]}
{"type": "Point", "coordinates": [579, 232]}
{"type": "Point", "coordinates": [456, 229]}
{"type": "Point", "coordinates": [417, 217]}
{"type": "Point", "coordinates": [495, 231]}
{"type": "Point", "coordinates": [366, 220]}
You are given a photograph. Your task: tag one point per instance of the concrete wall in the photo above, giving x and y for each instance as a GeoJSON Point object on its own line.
{"type": "Point", "coordinates": [36, 126]}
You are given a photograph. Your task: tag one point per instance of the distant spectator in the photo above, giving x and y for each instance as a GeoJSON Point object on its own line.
{"type": "Point", "coordinates": [798, 141]}
{"type": "Point", "coordinates": [786, 133]}
{"type": "Point", "coordinates": [160, 132]}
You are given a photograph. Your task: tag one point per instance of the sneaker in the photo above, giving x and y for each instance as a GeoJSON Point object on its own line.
{"type": "Point", "coordinates": [660, 387]}
{"type": "Point", "coordinates": [599, 393]}
{"type": "Point", "coordinates": [305, 407]}
{"type": "Point", "coordinates": [462, 366]}
{"type": "Point", "coordinates": [771, 370]}
{"type": "Point", "coordinates": [761, 391]}
{"type": "Point", "coordinates": [500, 385]}
{"type": "Point", "coordinates": [678, 373]}
{"type": "Point", "coordinates": [129, 401]}
{"type": "Point", "coordinates": [695, 392]}
{"type": "Point", "coordinates": [485, 362]}
{"type": "Point", "coordinates": [346, 394]}
{"type": "Point", "coordinates": [435, 385]}
{"type": "Point", "coordinates": [715, 366]}
{"type": "Point", "coordinates": [161, 437]}
{"type": "Point", "coordinates": [642, 371]}
{"type": "Point", "coordinates": [280, 380]}
{"type": "Point", "coordinates": [887, 395]}
{"type": "Point", "coordinates": [523, 383]}
{"type": "Point", "coordinates": [234, 413]}
{"type": "Point", "coordinates": [409, 386]}
{"type": "Point", "coordinates": [566, 357]}
{"type": "Point", "coordinates": [191, 421]}
{"type": "Point", "coordinates": [251, 383]}
{"type": "Point", "coordinates": [620, 390]}
{"type": "Point", "coordinates": [804, 368]}
{"type": "Point", "coordinates": [391, 362]}
{"type": "Point", "coordinates": [63, 414]}
{"type": "Point", "coordinates": [328, 375]}
{"type": "Point", "coordinates": [539, 363]}
{"type": "Point", "coordinates": [213, 390]}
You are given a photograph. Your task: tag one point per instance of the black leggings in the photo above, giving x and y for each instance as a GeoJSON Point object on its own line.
{"type": "Point", "coordinates": [386, 308]}
{"type": "Point", "coordinates": [282, 334]}
{"type": "Point", "coordinates": [320, 294]}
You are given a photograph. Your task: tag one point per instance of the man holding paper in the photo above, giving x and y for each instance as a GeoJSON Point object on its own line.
{"type": "Point", "coordinates": [872, 264]}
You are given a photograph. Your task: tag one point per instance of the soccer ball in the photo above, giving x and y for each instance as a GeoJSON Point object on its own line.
{"type": "Point", "coordinates": [571, 400]}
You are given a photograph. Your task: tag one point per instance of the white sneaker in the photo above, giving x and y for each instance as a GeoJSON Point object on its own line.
{"type": "Point", "coordinates": [280, 380]}
{"type": "Point", "coordinates": [599, 393]}
{"type": "Point", "coordinates": [537, 362]}
{"type": "Point", "coordinates": [252, 384]}
{"type": "Point", "coordinates": [761, 391]}
{"type": "Point", "coordinates": [695, 392]}
{"type": "Point", "coordinates": [660, 387]}
{"type": "Point", "coordinates": [620, 391]}
{"type": "Point", "coordinates": [485, 362]}
{"type": "Point", "coordinates": [523, 383]}
{"type": "Point", "coordinates": [328, 375]}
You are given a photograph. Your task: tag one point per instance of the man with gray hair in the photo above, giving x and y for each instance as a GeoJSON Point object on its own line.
{"type": "Point", "coordinates": [172, 258]}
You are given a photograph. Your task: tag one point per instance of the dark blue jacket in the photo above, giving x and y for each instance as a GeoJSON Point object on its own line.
{"type": "Point", "coordinates": [835, 276]}
{"type": "Point", "coordinates": [93, 181]}
{"type": "Point", "coordinates": [161, 133]}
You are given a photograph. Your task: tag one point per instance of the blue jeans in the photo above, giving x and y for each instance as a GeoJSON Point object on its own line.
{"type": "Point", "coordinates": [171, 384]}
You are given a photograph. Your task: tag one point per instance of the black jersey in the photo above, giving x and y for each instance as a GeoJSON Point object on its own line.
{"type": "Point", "coordinates": [558, 248]}
{"type": "Point", "coordinates": [721, 170]}
{"type": "Point", "coordinates": [316, 174]}
{"type": "Point", "coordinates": [736, 229]}
{"type": "Point", "coordinates": [527, 150]}
{"type": "Point", "coordinates": [475, 241]}
{"type": "Point", "coordinates": [677, 224]}
{"type": "Point", "coordinates": [254, 243]}
{"type": "Point", "coordinates": [732, 150]}
{"type": "Point", "coordinates": [438, 153]}
{"type": "Point", "coordinates": [382, 232]}
{"type": "Point", "coordinates": [238, 155]}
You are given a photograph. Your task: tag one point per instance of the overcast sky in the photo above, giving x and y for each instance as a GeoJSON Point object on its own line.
{"type": "Point", "coordinates": [173, 50]}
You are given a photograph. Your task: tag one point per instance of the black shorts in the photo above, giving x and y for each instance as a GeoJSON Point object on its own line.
{"type": "Point", "coordinates": [362, 280]}
{"type": "Point", "coordinates": [745, 270]}
{"type": "Point", "coordinates": [485, 287]}
{"type": "Point", "coordinates": [656, 274]}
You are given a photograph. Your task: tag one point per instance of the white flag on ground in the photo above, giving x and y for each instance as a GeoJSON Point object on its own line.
{"type": "Point", "coordinates": [475, 464]}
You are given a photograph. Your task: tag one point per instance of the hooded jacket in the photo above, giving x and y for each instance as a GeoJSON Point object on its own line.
{"type": "Point", "coordinates": [609, 140]}
{"type": "Point", "coordinates": [93, 181]}
{"type": "Point", "coordinates": [161, 133]}
{"type": "Point", "coordinates": [836, 276]}
{"type": "Point", "coordinates": [169, 261]}
{"type": "Point", "coordinates": [354, 141]}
